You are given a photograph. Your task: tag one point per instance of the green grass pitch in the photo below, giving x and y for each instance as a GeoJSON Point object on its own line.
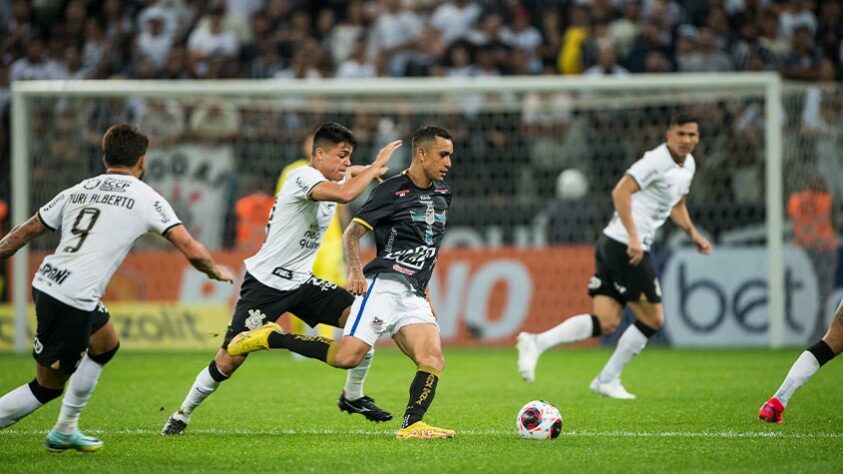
{"type": "Point", "coordinates": [696, 411]}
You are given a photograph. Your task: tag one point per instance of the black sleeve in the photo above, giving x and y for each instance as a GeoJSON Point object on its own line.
{"type": "Point", "coordinates": [377, 207]}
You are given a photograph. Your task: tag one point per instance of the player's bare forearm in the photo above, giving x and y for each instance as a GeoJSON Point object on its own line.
{"type": "Point", "coordinates": [21, 235]}
{"type": "Point", "coordinates": [197, 254]}
{"type": "Point", "coordinates": [680, 216]}
{"type": "Point", "coordinates": [351, 245]}
{"type": "Point", "coordinates": [354, 186]}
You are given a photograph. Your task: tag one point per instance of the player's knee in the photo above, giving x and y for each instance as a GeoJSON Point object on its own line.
{"type": "Point", "coordinates": [105, 357]}
{"type": "Point", "coordinates": [44, 394]}
{"type": "Point", "coordinates": [227, 364]}
{"type": "Point", "coordinates": [607, 325]}
{"type": "Point", "coordinates": [437, 361]}
{"type": "Point", "coordinates": [348, 360]}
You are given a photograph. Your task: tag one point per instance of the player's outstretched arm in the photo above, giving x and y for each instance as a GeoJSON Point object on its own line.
{"type": "Point", "coordinates": [680, 216]}
{"type": "Point", "coordinates": [197, 254]}
{"type": "Point", "coordinates": [353, 187]}
{"type": "Point", "coordinates": [21, 235]}
{"type": "Point", "coordinates": [351, 244]}
{"type": "Point", "coordinates": [622, 200]}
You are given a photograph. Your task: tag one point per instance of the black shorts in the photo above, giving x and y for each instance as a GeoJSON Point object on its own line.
{"type": "Point", "coordinates": [63, 332]}
{"type": "Point", "coordinates": [314, 302]}
{"type": "Point", "coordinates": [616, 278]}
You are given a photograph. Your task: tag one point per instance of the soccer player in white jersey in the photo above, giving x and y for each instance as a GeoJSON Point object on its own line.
{"type": "Point", "coordinates": [653, 189]}
{"type": "Point", "coordinates": [806, 365]}
{"type": "Point", "coordinates": [279, 277]}
{"type": "Point", "coordinates": [407, 214]}
{"type": "Point", "coordinates": [100, 218]}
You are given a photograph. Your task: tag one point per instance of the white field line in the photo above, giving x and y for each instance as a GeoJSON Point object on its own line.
{"type": "Point", "coordinates": [489, 432]}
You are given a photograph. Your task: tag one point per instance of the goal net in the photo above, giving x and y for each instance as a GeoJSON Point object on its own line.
{"type": "Point", "coordinates": [534, 164]}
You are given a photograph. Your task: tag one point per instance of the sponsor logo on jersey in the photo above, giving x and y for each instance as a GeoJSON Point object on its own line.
{"type": "Point", "coordinates": [429, 216]}
{"type": "Point", "coordinates": [301, 184]}
{"type": "Point", "coordinates": [402, 270]}
{"type": "Point", "coordinates": [55, 274]}
{"type": "Point", "coordinates": [323, 285]}
{"type": "Point", "coordinates": [377, 325]}
{"type": "Point", "coordinates": [115, 185]}
{"type": "Point", "coordinates": [621, 289]}
{"type": "Point", "coordinates": [594, 283]}
{"type": "Point", "coordinates": [54, 202]}
{"type": "Point", "coordinates": [255, 319]}
{"type": "Point", "coordinates": [37, 346]}
{"type": "Point", "coordinates": [414, 258]}
{"type": "Point", "coordinates": [160, 209]}
{"type": "Point", "coordinates": [441, 191]}
{"type": "Point", "coordinates": [282, 272]}
{"type": "Point", "coordinates": [92, 183]}
{"type": "Point", "coordinates": [402, 192]}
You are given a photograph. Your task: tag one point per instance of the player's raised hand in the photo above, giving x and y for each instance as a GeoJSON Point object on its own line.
{"type": "Point", "coordinates": [221, 273]}
{"type": "Point", "coordinates": [635, 251]}
{"type": "Point", "coordinates": [386, 153]}
{"type": "Point", "coordinates": [357, 284]}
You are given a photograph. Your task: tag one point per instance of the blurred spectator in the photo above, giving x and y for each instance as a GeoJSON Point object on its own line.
{"type": "Point", "coordinates": [455, 18]}
{"type": "Point", "coordinates": [523, 35]}
{"type": "Point", "coordinates": [570, 59]}
{"type": "Point", "coordinates": [393, 34]}
{"type": "Point", "coordinates": [803, 61]}
{"type": "Point", "coordinates": [153, 43]}
{"type": "Point", "coordinates": [244, 9]}
{"type": "Point", "coordinates": [33, 66]}
{"type": "Point", "coordinates": [607, 62]}
{"type": "Point", "coordinates": [214, 120]}
{"type": "Point", "coordinates": [428, 53]}
{"type": "Point", "coordinates": [797, 14]}
{"type": "Point", "coordinates": [346, 31]}
{"type": "Point", "coordinates": [356, 66]}
{"type": "Point", "coordinates": [212, 41]}
{"type": "Point", "coordinates": [163, 120]}
{"type": "Point", "coordinates": [71, 68]}
{"type": "Point", "coordinates": [624, 29]}
{"type": "Point", "coordinates": [707, 57]}
{"type": "Point", "coordinates": [770, 38]}
{"type": "Point", "coordinates": [749, 47]}
{"type": "Point", "coordinates": [19, 31]}
{"type": "Point", "coordinates": [822, 124]}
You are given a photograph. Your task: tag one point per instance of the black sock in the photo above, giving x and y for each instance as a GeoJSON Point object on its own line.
{"type": "Point", "coordinates": [422, 391]}
{"type": "Point", "coordinates": [596, 330]}
{"type": "Point", "coordinates": [645, 330]}
{"type": "Point", "coordinates": [822, 351]}
{"type": "Point", "coordinates": [315, 347]}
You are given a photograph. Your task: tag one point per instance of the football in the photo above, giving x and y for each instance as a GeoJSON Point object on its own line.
{"type": "Point", "coordinates": [539, 420]}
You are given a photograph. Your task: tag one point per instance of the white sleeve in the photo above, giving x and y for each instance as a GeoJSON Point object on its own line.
{"type": "Point", "coordinates": [160, 216]}
{"type": "Point", "coordinates": [646, 170]}
{"type": "Point", "coordinates": [303, 180]}
{"type": "Point", "coordinates": [51, 213]}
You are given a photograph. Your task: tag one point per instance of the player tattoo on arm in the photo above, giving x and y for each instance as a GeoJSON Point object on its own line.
{"type": "Point", "coordinates": [351, 246]}
{"type": "Point", "coordinates": [21, 235]}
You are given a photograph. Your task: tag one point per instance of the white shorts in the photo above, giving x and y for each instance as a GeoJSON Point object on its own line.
{"type": "Point", "coordinates": [389, 304]}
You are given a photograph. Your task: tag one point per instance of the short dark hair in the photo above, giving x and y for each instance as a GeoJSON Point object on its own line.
{"type": "Point", "coordinates": [681, 118]}
{"type": "Point", "coordinates": [123, 145]}
{"type": "Point", "coordinates": [330, 134]}
{"type": "Point", "coordinates": [427, 134]}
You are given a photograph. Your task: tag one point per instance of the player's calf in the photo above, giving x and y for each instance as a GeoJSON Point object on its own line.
{"type": "Point", "coordinates": [23, 400]}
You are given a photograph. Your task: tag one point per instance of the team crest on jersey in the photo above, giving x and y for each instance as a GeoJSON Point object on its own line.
{"type": "Point", "coordinates": [429, 216]}
{"type": "Point", "coordinates": [377, 325]}
{"type": "Point", "coordinates": [255, 319]}
{"type": "Point", "coordinates": [37, 346]}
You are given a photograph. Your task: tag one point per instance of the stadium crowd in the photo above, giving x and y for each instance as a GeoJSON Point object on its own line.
{"type": "Point", "coordinates": [504, 157]}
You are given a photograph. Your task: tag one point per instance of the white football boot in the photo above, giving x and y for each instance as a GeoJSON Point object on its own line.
{"type": "Point", "coordinates": [611, 389]}
{"type": "Point", "coordinates": [528, 355]}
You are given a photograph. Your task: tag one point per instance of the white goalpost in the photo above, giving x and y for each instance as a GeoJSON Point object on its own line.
{"type": "Point", "coordinates": [498, 102]}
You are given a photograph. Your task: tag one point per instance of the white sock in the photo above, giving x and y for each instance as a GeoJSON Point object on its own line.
{"type": "Point", "coordinates": [17, 404]}
{"type": "Point", "coordinates": [802, 370]}
{"type": "Point", "coordinates": [632, 341]}
{"type": "Point", "coordinates": [82, 384]}
{"type": "Point", "coordinates": [356, 376]}
{"type": "Point", "coordinates": [202, 387]}
{"type": "Point", "coordinates": [576, 328]}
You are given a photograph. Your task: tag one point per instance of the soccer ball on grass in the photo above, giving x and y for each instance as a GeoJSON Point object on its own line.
{"type": "Point", "coordinates": [539, 420]}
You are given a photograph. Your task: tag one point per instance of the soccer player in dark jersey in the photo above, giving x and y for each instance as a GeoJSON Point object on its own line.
{"type": "Point", "coordinates": [407, 214]}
